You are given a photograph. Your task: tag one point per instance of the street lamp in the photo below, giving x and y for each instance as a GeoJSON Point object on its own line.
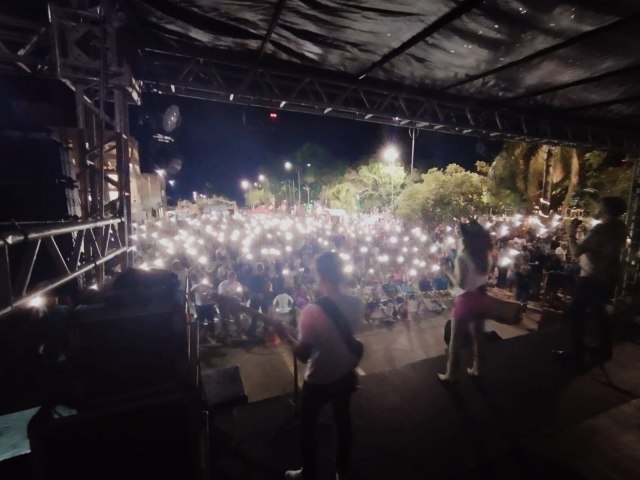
{"type": "Point", "coordinates": [289, 166]}
{"type": "Point", "coordinates": [390, 154]}
{"type": "Point", "coordinates": [245, 184]}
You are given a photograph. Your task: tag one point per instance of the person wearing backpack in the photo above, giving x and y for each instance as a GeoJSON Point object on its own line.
{"type": "Point", "coordinates": [327, 345]}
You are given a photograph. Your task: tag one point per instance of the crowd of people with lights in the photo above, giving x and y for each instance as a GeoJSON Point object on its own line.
{"type": "Point", "coordinates": [258, 259]}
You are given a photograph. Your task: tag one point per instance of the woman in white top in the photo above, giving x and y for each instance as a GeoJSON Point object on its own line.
{"type": "Point", "coordinates": [471, 304]}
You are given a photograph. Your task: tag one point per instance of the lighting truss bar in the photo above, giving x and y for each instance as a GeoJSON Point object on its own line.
{"type": "Point", "coordinates": [94, 243]}
{"type": "Point", "coordinates": [42, 231]}
{"type": "Point", "coordinates": [317, 93]}
{"type": "Point", "coordinates": [61, 281]}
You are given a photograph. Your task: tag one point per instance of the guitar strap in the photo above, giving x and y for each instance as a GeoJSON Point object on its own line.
{"type": "Point", "coordinates": [341, 323]}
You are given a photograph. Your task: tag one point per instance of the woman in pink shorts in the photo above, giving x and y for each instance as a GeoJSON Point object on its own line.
{"type": "Point", "coordinates": [471, 303]}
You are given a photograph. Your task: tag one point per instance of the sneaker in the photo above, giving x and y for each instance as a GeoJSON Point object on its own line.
{"type": "Point", "coordinates": [569, 357]}
{"type": "Point", "coordinates": [473, 371]}
{"type": "Point", "coordinates": [446, 378]}
{"type": "Point", "coordinates": [294, 475]}
{"type": "Point", "coordinates": [564, 355]}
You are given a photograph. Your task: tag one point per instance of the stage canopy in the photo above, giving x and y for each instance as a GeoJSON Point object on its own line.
{"type": "Point", "coordinates": [507, 68]}
{"type": "Point", "coordinates": [540, 70]}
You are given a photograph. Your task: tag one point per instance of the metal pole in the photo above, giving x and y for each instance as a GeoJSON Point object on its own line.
{"type": "Point", "coordinates": [123, 167]}
{"type": "Point", "coordinates": [299, 187]}
{"type": "Point", "coordinates": [413, 133]}
{"type": "Point", "coordinates": [632, 265]}
{"type": "Point", "coordinates": [81, 151]}
{"type": "Point", "coordinates": [393, 164]}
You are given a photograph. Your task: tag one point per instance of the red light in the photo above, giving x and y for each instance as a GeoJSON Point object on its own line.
{"type": "Point", "coordinates": [273, 115]}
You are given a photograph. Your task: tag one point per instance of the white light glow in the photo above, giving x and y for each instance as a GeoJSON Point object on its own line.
{"type": "Point", "coordinates": [37, 302]}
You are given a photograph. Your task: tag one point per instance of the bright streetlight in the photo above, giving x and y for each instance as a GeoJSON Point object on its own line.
{"type": "Point", "coordinates": [245, 184]}
{"type": "Point", "coordinates": [262, 178]}
{"type": "Point", "coordinates": [288, 165]}
{"type": "Point", "coordinates": [390, 154]}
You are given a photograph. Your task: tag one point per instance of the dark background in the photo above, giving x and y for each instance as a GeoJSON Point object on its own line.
{"type": "Point", "coordinates": [221, 144]}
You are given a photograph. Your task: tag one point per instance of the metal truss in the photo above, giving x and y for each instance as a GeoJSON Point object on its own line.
{"type": "Point", "coordinates": [79, 48]}
{"type": "Point", "coordinates": [94, 244]}
{"type": "Point", "coordinates": [315, 92]}
{"type": "Point", "coordinates": [632, 260]}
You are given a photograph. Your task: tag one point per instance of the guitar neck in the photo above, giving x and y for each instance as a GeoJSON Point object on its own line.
{"type": "Point", "coordinates": [281, 329]}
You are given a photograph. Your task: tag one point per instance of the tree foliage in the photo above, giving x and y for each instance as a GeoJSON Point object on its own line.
{"type": "Point", "coordinates": [512, 181]}
{"type": "Point", "coordinates": [256, 197]}
{"type": "Point", "coordinates": [372, 185]}
{"type": "Point", "coordinates": [341, 195]}
{"type": "Point", "coordinates": [443, 194]}
{"type": "Point", "coordinates": [377, 184]}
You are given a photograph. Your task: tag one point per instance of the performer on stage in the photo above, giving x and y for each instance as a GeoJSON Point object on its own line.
{"type": "Point", "coordinates": [599, 256]}
{"type": "Point", "coordinates": [471, 304]}
{"type": "Point", "coordinates": [324, 343]}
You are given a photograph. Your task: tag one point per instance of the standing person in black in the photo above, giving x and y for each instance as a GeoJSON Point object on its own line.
{"type": "Point", "coordinates": [258, 285]}
{"type": "Point", "coordinates": [537, 263]}
{"type": "Point", "coordinates": [325, 343]}
{"type": "Point", "coordinates": [277, 281]}
{"type": "Point", "coordinates": [599, 256]}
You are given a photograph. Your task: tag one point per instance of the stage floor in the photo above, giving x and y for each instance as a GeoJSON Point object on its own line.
{"type": "Point", "coordinates": [529, 417]}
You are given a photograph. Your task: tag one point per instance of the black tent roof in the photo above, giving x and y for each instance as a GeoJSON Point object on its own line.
{"type": "Point", "coordinates": [567, 71]}
{"type": "Point", "coordinates": [575, 57]}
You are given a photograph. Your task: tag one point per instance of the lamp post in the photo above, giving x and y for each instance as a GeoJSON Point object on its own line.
{"type": "Point", "coordinates": [413, 133]}
{"type": "Point", "coordinates": [289, 166]}
{"type": "Point", "coordinates": [391, 154]}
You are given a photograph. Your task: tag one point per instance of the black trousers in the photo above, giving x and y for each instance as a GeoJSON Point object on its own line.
{"type": "Point", "coordinates": [590, 294]}
{"type": "Point", "coordinates": [258, 304]}
{"type": "Point", "coordinates": [314, 397]}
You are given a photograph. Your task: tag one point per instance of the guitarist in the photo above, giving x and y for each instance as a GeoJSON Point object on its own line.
{"type": "Point", "coordinates": [326, 343]}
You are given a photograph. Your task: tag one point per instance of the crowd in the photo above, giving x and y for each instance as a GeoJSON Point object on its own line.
{"type": "Point", "coordinates": [359, 260]}
{"type": "Point", "coordinates": [256, 258]}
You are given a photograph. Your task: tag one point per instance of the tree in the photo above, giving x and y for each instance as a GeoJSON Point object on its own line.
{"type": "Point", "coordinates": [377, 184]}
{"type": "Point", "coordinates": [372, 185]}
{"type": "Point", "coordinates": [256, 197]}
{"type": "Point", "coordinates": [341, 195]}
{"type": "Point", "coordinates": [444, 194]}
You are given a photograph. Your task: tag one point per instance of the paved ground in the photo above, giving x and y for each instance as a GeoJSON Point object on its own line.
{"type": "Point", "coordinates": [268, 371]}
{"type": "Point", "coordinates": [529, 417]}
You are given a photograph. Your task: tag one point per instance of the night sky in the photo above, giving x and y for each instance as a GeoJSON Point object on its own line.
{"type": "Point", "coordinates": [221, 144]}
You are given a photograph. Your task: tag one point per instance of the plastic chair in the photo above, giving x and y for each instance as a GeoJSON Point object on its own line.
{"type": "Point", "coordinates": [283, 303]}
